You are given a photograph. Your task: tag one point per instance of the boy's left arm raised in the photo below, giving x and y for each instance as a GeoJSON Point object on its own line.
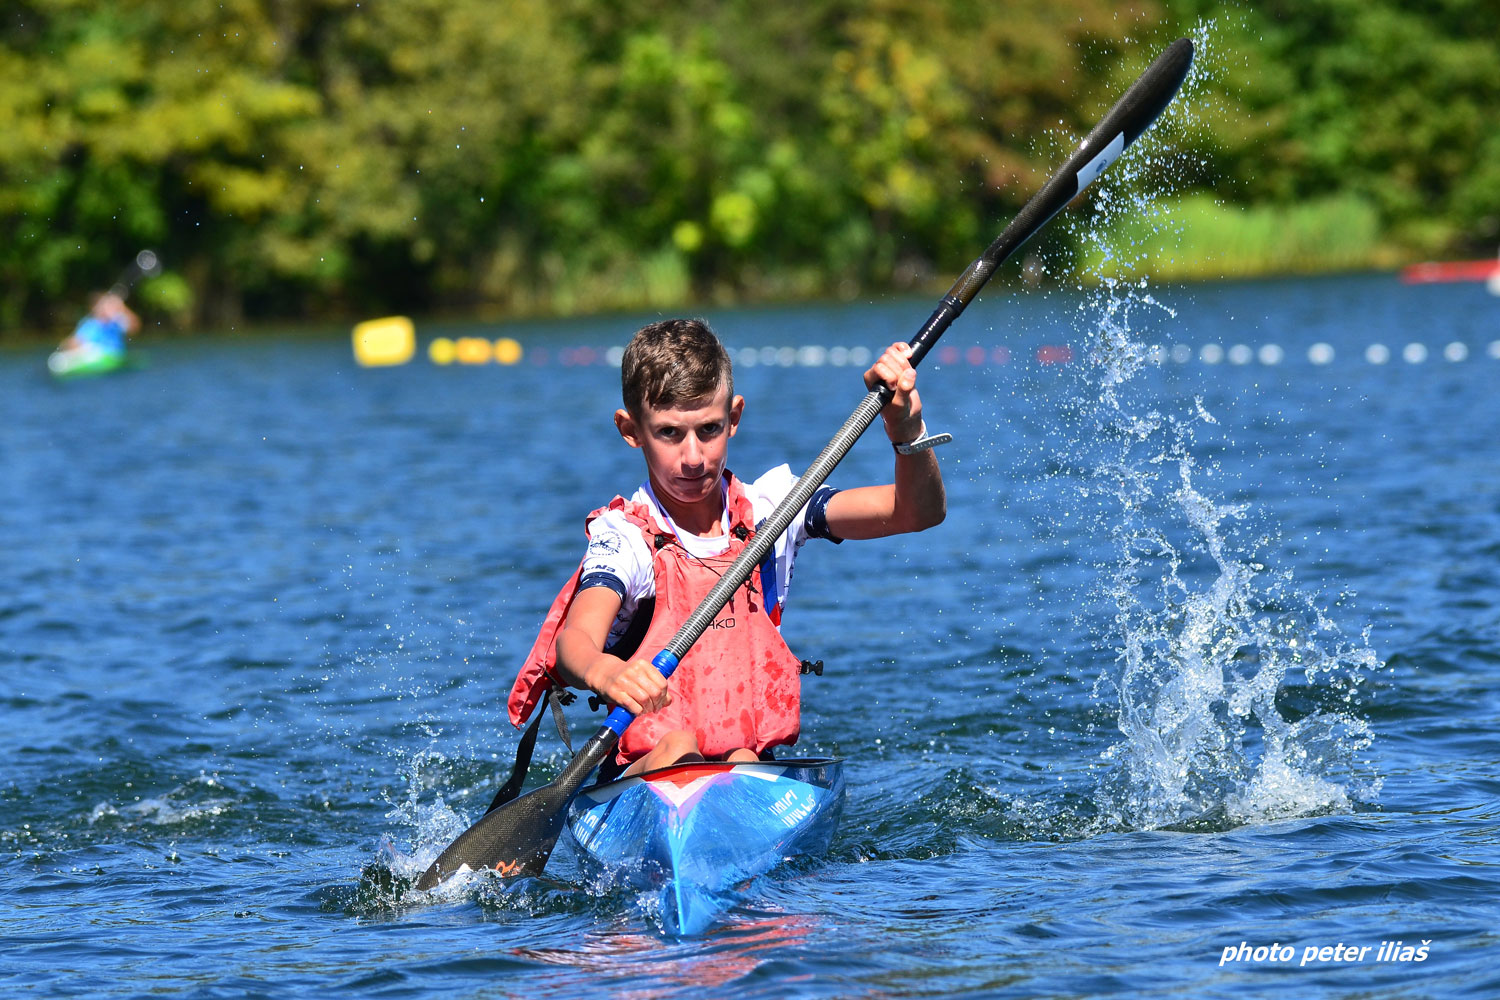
{"type": "Point", "coordinates": [916, 500]}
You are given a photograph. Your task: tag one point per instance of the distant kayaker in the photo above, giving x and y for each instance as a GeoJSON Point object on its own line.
{"type": "Point", "coordinates": [653, 557]}
{"type": "Point", "coordinates": [108, 323]}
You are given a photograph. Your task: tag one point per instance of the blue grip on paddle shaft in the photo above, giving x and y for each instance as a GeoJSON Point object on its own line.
{"type": "Point", "coordinates": [665, 662]}
{"type": "Point", "coordinates": [620, 718]}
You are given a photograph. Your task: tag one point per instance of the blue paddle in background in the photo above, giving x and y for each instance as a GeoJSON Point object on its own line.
{"type": "Point", "coordinates": [517, 838]}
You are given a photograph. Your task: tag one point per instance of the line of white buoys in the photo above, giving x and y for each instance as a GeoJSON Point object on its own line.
{"type": "Point", "coordinates": [808, 356]}
{"type": "Point", "coordinates": [506, 352]}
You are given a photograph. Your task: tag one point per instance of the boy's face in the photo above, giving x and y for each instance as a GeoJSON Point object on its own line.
{"type": "Point", "coordinates": [685, 448]}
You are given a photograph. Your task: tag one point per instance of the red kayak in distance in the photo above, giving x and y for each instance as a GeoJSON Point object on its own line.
{"type": "Point", "coordinates": [1432, 272]}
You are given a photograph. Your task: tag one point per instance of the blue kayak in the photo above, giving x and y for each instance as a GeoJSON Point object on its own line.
{"type": "Point", "coordinates": [693, 832]}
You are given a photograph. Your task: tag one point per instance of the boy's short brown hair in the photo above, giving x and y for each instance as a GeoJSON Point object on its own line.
{"type": "Point", "coordinates": [673, 362]}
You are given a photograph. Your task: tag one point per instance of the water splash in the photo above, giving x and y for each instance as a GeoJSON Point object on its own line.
{"type": "Point", "coordinates": [432, 823]}
{"type": "Point", "coordinates": [1217, 727]}
{"type": "Point", "coordinates": [201, 798]}
{"type": "Point", "coordinates": [387, 882]}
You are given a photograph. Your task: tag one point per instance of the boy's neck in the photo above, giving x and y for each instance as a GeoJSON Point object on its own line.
{"type": "Point", "coordinates": [704, 519]}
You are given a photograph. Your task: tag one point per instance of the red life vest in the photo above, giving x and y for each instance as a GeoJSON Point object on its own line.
{"type": "Point", "coordinates": [738, 686]}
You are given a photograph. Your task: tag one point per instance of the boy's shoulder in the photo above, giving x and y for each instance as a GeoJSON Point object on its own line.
{"type": "Point", "coordinates": [623, 513]}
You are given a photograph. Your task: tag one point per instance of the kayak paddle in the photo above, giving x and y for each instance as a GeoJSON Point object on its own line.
{"type": "Point", "coordinates": [145, 265]}
{"type": "Point", "coordinates": [517, 838]}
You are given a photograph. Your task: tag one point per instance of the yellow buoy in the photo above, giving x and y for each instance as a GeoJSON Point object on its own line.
{"type": "Point", "coordinates": [381, 342]}
{"type": "Point", "coordinates": [441, 351]}
{"type": "Point", "coordinates": [507, 351]}
{"type": "Point", "coordinates": [472, 350]}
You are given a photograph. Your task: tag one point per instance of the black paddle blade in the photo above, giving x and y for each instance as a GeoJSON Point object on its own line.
{"type": "Point", "coordinates": [518, 837]}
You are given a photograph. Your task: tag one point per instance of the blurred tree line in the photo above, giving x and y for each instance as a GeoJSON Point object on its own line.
{"type": "Point", "coordinates": [337, 158]}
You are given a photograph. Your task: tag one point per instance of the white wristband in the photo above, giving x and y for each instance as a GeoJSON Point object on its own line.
{"type": "Point", "coordinates": [921, 442]}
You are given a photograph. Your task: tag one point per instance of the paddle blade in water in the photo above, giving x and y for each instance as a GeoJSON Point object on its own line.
{"type": "Point", "coordinates": [518, 837]}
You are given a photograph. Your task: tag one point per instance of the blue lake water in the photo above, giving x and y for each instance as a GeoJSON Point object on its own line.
{"type": "Point", "coordinates": [1205, 653]}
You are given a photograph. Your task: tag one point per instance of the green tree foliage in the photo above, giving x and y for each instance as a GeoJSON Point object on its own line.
{"type": "Point", "coordinates": [334, 157]}
{"type": "Point", "coordinates": [1392, 102]}
{"type": "Point", "coordinates": [135, 124]}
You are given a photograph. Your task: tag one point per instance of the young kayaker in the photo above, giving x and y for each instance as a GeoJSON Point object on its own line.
{"type": "Point", "coordinates": [654, 556]}
{"type": "Point", "coordinates": [108, 323]}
